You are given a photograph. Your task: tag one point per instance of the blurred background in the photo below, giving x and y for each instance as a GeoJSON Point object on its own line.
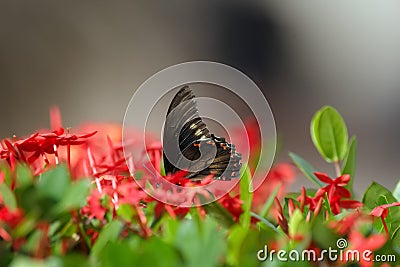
{"type": "Point", "coordinates": [88, 57]}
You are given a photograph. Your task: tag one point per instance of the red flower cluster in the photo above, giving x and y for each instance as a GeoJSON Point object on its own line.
{"type": "Point", "coordinates": [280, 175]}
{"type": "Point", "coordinates": [37, 148]}
{"type": "Point", "coordinates": [337, 195]}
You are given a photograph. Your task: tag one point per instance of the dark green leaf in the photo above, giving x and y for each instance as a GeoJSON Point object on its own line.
{"type": "Point", "coordinates": [329, 134]}
{"type": "Point", "coordinates": [306, 169]}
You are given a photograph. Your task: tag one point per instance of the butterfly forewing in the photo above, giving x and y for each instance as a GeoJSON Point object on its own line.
{"type": "Point", "coordinates": [184, 124]}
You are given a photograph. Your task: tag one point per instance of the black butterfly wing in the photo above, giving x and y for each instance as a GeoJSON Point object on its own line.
{"type": "Point", "coordinates": [184, 123]}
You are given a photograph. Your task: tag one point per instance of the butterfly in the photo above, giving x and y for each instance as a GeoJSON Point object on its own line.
{"type": "Point", "coordinates": [184, 126]}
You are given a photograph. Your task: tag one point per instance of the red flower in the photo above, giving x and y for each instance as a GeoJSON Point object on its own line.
{"type": "Point", "coordinates": [336, 203]}
{"type": "Point", "coordinates": [281, 175]}
{"type": "Point", "coordinates": [10, 219]}
{"type": "Point", "coordinates": [333, 185]}
{"type": "Point", "coordinates": [173, 211]}
{"type": "Point", "coordinates": [360, 243]}
{"type": "Point", "coordinates": [337, 194]}
{"type": "Point", "coordinates": [349, 222]}
{"type": "Point", "coordinates": [283, 223]}
{"type": "Point", "coordinates": [233, 205]}
{"type": "Point", "coordinates": [94, 208]}
{"type": "Point", "coordinates": [382, 212]}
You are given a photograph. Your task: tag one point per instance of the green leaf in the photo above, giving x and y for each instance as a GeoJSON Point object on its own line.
{"type": "Point", "coordinates": [323, 235]}
{"type": "Point", "coordinates": [54, 183]}
{"type": "Point", "coordinates": [218, 212]}
{"type": "Point", "coordinates": [109, 233]}
{"type": "Point", "coordinates": [75, 196]}
{"type": "Point", "coordinates": [373, 192]}
{"type": "Point", "coordinates": [270, 201]}
{"type": "Point", "coordinates": [246, 196]}
{"type": "Point", "coordinates": [349, 164]}
{"type": "Point", "coordinates": [377, 195]}
{"type": "Point", "coordinates": [8, 196]}
{"type": "Point", "coordinates": [299, 226]}
{"type": "Point", "coordinates": [126, 212]}
{"type": "Point", "coordinates": [118, 254]}
{"type": "Point", "coordinates": [23, 261]}
{"type": "Point", "coordinates": [235, 240]}
{"type": "Point", "coordinates": [23, 175]}
{"type": "Point", "coordinates": [244, 245]}
{"type": "Point", "coordinates": [167, 255]}
{"type": "Point", "coordinates": [396, 191]}
{"type": "Point", "coordinates": [306, 169]}
{"type": "Point", "coordinates": [75, 260]}
{"type": "Point", "coordinates": [200, 247]}
{"type": "Point", "coordinates": [329, 134]}
{"type": "Point", "coordinates": [265, 222]}
{"type": "Point", "coordinates": [5, 168]}
{"type": "Point", "coordinates": [396, 237]}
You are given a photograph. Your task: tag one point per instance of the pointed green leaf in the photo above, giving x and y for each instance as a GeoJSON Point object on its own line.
{"type": "Point", "coordinates": [305, 168]}
{"type": "Point", "coordinates": [246, 196]}
{"type": "Point", "coordinates": [270, 201]}
{"type": "Point", "coordinates": [8, 196]}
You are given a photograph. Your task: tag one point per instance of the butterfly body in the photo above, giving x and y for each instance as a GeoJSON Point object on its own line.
{"type": "Point", "coordinates": [202, 152]}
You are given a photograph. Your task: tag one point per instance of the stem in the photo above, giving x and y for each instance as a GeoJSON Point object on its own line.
{"type": "Point", "coordinates": [337, 168]}
{"type": "Point", "coordinates": [69, 157]}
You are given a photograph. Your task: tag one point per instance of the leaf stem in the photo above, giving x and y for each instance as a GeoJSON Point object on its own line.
{"type": "Point", "coordinates": [337, 168]}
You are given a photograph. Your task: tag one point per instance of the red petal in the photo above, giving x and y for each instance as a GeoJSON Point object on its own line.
{"type": "Point", "coordinates": [343, 180]}
{"type": "Point", "coordinates": [86, 135]}
{"type": "Point", "coordinates": [377, 212]}
{"type": "Point", "coordinates": [343, 192]}
{"type": "Point", "coordinates": [29, 146]}
{"type": "Point", "coordinates": [350, 204]}
{"type": "Point", "coordinates": [390, 205]}
{"type": "Point", "coordinates": [49, 135]}
{"type": "Point", "coordinates": [323, 177]}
